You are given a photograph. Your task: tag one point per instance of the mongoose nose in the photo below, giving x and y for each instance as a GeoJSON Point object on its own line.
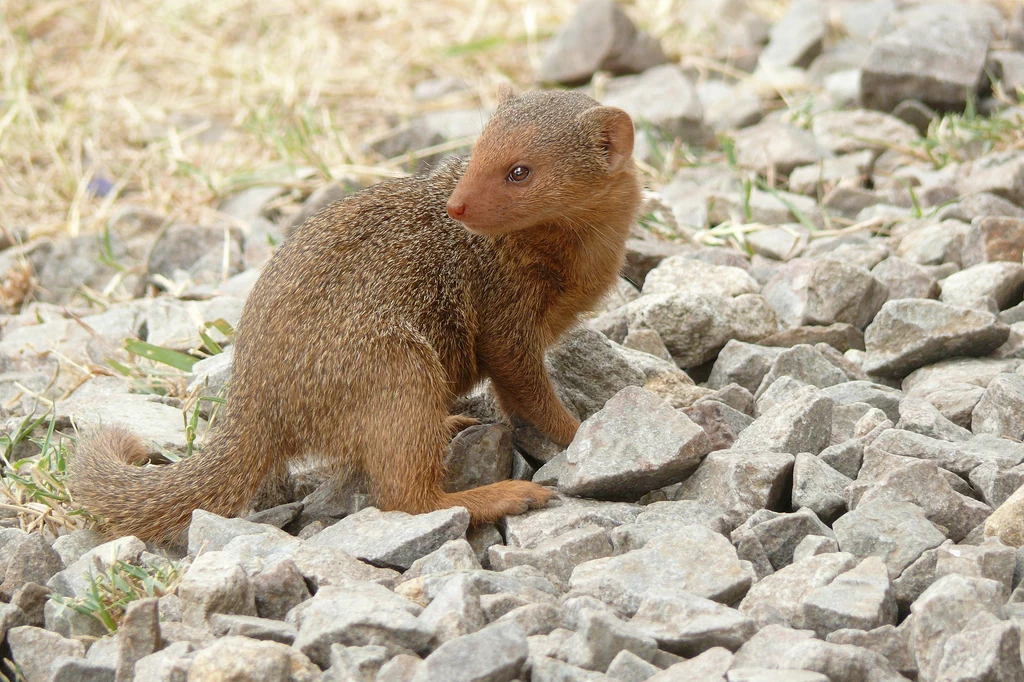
{"type": "Point", "coordinates": [456, 211]}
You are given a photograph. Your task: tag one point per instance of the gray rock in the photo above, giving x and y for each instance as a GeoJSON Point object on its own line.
{"type": "Point", "coordinates": [797, 38]}
{"type": "Point", "coordinates": [784, 242]}
{"type": "Point", "coordinates": [599, 637]}
{"type": "Point", "coordinates": [31, 560]}
{"type": "Point", "coordinates": [860, 598]}
{"type": "Point", "coordinates": [70, 547]}
{"type": "Point", "coordinates": [829, 172]}
{"type": "Point", "coordinates": [598, 37]}
{"type": "Point", "coordinates": [803, 363]}
{"type": "Point", "coordinates": [937, 62]}
{"type": "Point", "coordinates": [813, 545]}
{"type": "Point", "coordinates": [943, 610]}
{"type": "Point", "coordinates": [75, 581]}
{"type": "Point", "coordinates": [908, 333]}
{"type": "Point", "coordinates": [587, 370]}
{"type": "Point", "coordinates": [694, 559]}
{"type": "Point", "coordinates": [393, 539]}
{"type": "Point", "coordinates": [242, 658]}
{"type": "Point", "coordinates": [556, 556]}
{"type": "Point", "coordinates": [35, 651]}
{"type": "Point", "coordinates": [844, 132]}
{"type": "Point", "coordinates": [769, 675]}
{"type": "Point", "coordinates": [451, 556]}
{"type": "Point", "coordinates": [563, 514]}
{"type": "Point", "coordinates": [664, 98]}
{"type": "Point", "coordinates": [196, 251]}
{"type": "Point", "coordinates": [643, 255]}
{"type": "Point", "coordinates": [840, 336]}
{"type": "Point", "coordinates": [139, 636]}
{"type": "Point", "coordinates": [628, 667]}
{"type": "Point", "coordinates": [1002, 282]}
{"type": "Point", "coordinates": [648, 341]}
{"type": "Point", "coordinates": [322, 563]}
{"type": "Point", "coordinates": [1000, 411]}
{"type": "Point", "coordinates": [355, 663]}
{"type": "Point", "coordinates": [995, 485]}
{"type": "Point", "coordinates": [685, 624]}
{"type": "Point", "coordinates": [547, 669]}
{"type": "Point", "coordinates": [771, 144]}
{"type": "Point", "coordinates": [884, 398]}
{"type": "Point", "coordinates": [635, 444]}
{"type": "Point", "coordinates": [744, 364]}
{"type": "Point", "coordinates": [215, 583]}
{"type": "Point", "coordinates": [278, 588]}
{"type": "Point", "coordinates": [920, 416]}
{"type": "Point", "coordinates": [980, 653]}
{"type": "Point", "coordinates": [991, 559]}
{"type": "Point", "coordinates": [980, 205]}
{"type": "Point", "coordinates": [920, 483]}
{"type": "Point", "coordinates": [888, 640]}
{"type": "Point", "coordinates": [823, 292]}
{"type": "Point", "coordinates": [495, 654]}
{"type": "Point", "coordinates": [956, 385]}
{"type": "Point", "coordinates": [455, 610]}
{"type": "Point", "coordinates": [211, 533]}
{"type": "Point", "coordinates": [905, 279]}
{"type": "Point", "coordinates": [897, 532]}
{"type": "Point", "coordinates": [741, 482]}
{"type": "Point", "coordinates": [721, 423]}
{"type": "Point", "coordinates": [695, 327]}
{"type": "Point", "coordinates": [842, 662]}
{"type": "Point", "coordinates": [819, 487]}
{"type": "Point", "coordinates": [359, 614]}
{"type": "Point", "coordinates": [769, 646]}
{"type": "Point", "coordinates": [401, 668]}
{"type": "Point", "coordinates": [534, 619]}
{"type": "Point", "coordinates": [801, 425]}
{"type": "Point", "coordinates": [478, 456]}
{"type": "Point", "coordinates": [253, 628]}
{"type": "Point", "coordinates": [934, 244]}
{"type": "Point", "coordinates": [170, 664]}
{"type": "Point", "coordinates": [1000, 173]}
{"type": "Point", "coordinates": [678, 274]}
{"type": "Point", "coordinates": [916, 578]}
{"type": "Point", "coordinates": [768, 539]}
{"type": "Point", "coordinates": [778, 598]}
{"type": "Point", "coordinates": [710, 665]}
{"type": "Point", "coordinates": [993, 238]}
{"type": "Point", "coordinates": [960, 458]}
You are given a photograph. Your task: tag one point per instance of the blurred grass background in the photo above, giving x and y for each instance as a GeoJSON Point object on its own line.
{"type": "Point", "coordinates": [173, 104]}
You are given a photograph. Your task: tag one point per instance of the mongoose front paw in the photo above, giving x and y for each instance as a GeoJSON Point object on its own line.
{"type": "Point", "coordinates": [518, 497]}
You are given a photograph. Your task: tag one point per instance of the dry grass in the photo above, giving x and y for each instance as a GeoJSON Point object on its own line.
{"type": "Point", "coordinates": [173, 104]}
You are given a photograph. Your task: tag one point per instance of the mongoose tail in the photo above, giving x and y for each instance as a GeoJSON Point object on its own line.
{"type": "Point", "coordinates": [155, 503]}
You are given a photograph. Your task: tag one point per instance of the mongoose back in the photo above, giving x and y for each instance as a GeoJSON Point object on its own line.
{"type": "Point", "coordinates": [384, 307]}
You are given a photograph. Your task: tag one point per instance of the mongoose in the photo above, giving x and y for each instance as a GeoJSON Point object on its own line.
{"type": "Point", "coordinates": [385, 306]}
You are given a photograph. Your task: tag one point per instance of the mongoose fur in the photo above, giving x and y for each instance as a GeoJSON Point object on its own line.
{"type": "Point", "coordinates": [382, 308]}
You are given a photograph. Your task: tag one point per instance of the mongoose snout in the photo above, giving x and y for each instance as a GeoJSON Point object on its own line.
{"type": "Point", "coordinates": [474, 270]}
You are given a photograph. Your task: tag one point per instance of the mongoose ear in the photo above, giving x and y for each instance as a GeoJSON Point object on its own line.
{"type": "Point", "coordinates": [615, 128]}
{"type": "Point", "coordinates": [506, 93]}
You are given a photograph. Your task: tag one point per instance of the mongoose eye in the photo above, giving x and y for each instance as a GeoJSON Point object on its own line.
{"type": "Point", "coordinates": [518, 174]}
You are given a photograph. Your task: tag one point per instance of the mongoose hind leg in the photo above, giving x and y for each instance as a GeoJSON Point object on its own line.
{"type": "Point", "coordinates": [407, 439]}
{"type": "Point", "coordinates": [408, 475]}
{"type": "Point", "coordinates": [459, 422]}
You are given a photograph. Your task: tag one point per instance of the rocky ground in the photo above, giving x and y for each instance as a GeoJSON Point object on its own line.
{"type": "Point", "coordinates": [803, 406]}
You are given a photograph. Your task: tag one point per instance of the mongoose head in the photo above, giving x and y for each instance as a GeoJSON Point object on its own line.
{"type": "Point", "coordinates": [544, 158]}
